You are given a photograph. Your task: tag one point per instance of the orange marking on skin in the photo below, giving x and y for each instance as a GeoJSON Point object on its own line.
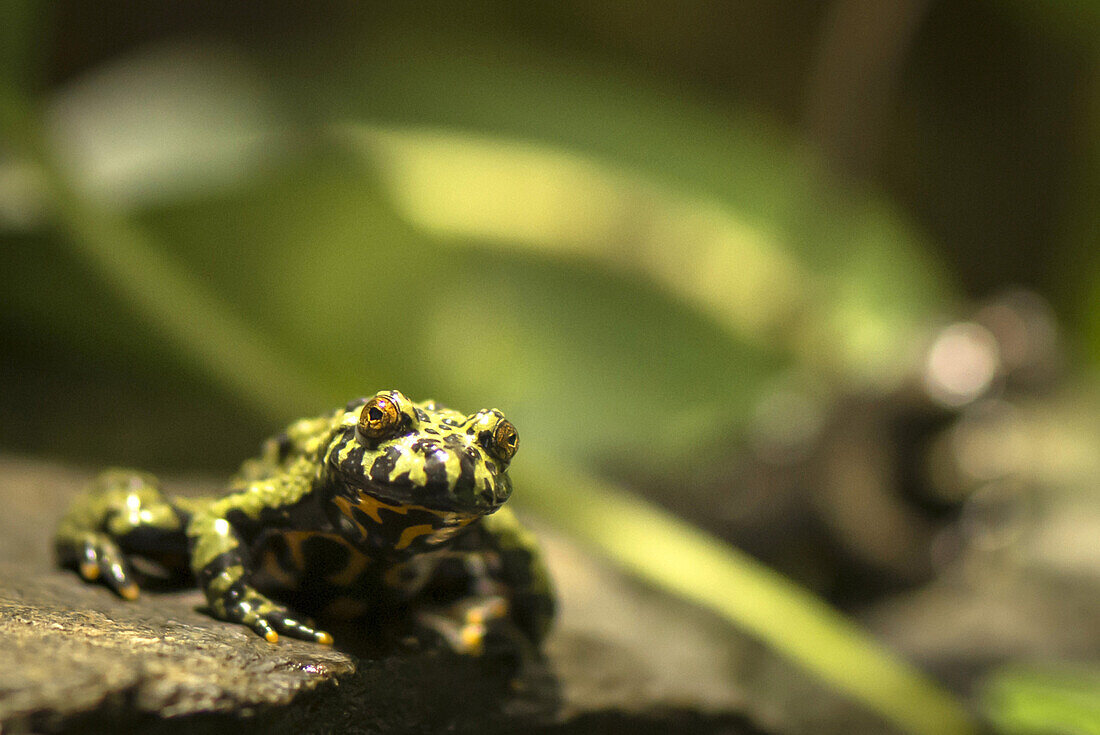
{"type": "Point", "coordinates": [370, 506]}
{"type": "Point", "coordinates": [294, 540]}
{"type": "Point", "coordinates": [274, 569]}
{"type": "Point", "coordinates": [270, 566]}
{"type": "Point", "coordinates": [411, 533]}
{"type": "Point", "coordinates": [345, 510]}
{"type": "Point", "coordinates": [356, 564]}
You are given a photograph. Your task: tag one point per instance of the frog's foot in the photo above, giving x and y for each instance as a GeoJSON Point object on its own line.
{"type": "Point", "coordinates": [465, 625]}
{"type": "Point", "coordinates": [97, 557]}
{"type": "Point", "coordinates": [268, 619]}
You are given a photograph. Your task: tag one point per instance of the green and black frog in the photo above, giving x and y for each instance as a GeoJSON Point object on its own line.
{"type": "Point", "coordinates": [387, 503]}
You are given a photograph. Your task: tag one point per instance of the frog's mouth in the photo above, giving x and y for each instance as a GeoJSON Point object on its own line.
{"type": "Point", "coordinates": [440, 499]}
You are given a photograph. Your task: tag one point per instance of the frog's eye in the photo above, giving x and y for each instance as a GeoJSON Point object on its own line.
{"type": "Point", "coordinates": [380, 417]}
{"type": "Point", "coordinates": [505, 440]}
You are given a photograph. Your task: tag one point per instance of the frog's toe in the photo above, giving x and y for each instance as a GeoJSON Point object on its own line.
{"type": "Point", "coordinates": [116, 573]}
{"type": "Point", "coordinates": [482, 610]}
{"type": "Point", "coordinates": [284, 623]}
{"type": "Point", "coordinates": [475, 626]}
{"type": "Point", "coordinates": [98, 558]}
{"type": "Point", "coordinates": [270, 621]}
{"type": "Point", "coordinates": [461, 637]}
{"type": "Point", "coordinates": [464, 625]}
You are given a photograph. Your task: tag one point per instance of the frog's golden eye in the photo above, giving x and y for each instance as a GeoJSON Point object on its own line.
{"type": "Point", "coordinates": [380, 417]}
{"type": "Point", "coordinates": [505, 440]}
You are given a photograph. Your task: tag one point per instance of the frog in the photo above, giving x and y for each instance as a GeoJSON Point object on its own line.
{"type": "Point", "coordinates": [386, 503]}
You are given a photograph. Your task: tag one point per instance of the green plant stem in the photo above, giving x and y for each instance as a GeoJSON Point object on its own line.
{"type": "Point", "coordinates": [682, 559]}
{"type": "Point", "coordinates": [203, 330]}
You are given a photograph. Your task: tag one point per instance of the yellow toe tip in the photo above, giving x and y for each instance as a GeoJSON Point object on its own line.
{"type": "Point", "coordinates": [89, 571]}
{"type": "Point", "coordinates": [129, 592]}
{"type": "Point", "coordinates": [472, 636]}
{"type": "Point", "coordinates": [324, 639]}
{"type": "Point", "coordinates": [271, 636]}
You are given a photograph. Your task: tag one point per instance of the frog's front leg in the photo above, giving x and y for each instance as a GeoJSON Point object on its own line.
{"type": "Point", "coordinates": [497, 572]}
{"type": "Point", "coordinates": [222, 565]}
{"type": "Point", "coordinates": [121, 513]}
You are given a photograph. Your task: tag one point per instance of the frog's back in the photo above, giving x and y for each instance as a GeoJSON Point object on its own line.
{"type": "Point", "coordinates": [301, 444]}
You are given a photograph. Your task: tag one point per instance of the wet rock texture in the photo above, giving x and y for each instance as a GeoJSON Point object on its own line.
{"type": "Point", "coordinates": [75, 658]}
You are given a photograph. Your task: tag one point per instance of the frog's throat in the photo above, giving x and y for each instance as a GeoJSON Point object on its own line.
{"type": "Point", "coordinates": [401, 527]}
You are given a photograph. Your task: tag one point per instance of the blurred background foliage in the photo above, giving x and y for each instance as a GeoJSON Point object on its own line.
{"type": "Point", "coordinates": [682, 245]}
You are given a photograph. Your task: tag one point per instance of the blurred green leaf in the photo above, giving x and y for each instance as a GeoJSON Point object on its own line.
{"type": "Point", "coordinates": [874, 281]}
{"type": "Point", "coordinates": [18, 57]}
{"type": "Point", "coordinates": [1052, 700]}
{"type": "Point", "coordinates": [299, 276]}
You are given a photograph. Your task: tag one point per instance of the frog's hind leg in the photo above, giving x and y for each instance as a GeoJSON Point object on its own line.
{"type": "Point", "coordinates": [121, 513]}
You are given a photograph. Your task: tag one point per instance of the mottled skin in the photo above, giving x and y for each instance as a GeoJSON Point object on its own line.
{"type": "Point", "coordinates": [386, 502]}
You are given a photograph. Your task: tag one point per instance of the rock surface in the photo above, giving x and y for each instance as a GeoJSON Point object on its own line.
{"type": "Point", "coordinates": [77, 658]}
{"type": "Point", "coordinates": [71, 648]}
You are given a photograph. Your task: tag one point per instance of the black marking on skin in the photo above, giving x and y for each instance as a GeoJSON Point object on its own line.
{"type": "Point", "coordinates": [305, 513]}
{"type": "Point", "coordinates": [147, 540]}
{"type": "Point", "coordinates": [324, 556]}
{"type": "Point", "coordinates": [435, 467]}
{"type": "Point", "coordinates": [283, 446]}
{"type": "Point", "coordinates": [382, 537]}
{"type": "Point", "coordinates": [355, 458]}
{"type": "Point", "coordinates": [240, 521]}
{"type": "Point", "coordinates": [468, 457]}
{"type": "Point", "coordinates": [449, 581]}
{"type": "Point", "coordinates": [467, 461]}
{"type": "Point", "coordinates": [455, 441]}
{"type": "Point", "coordinates": [430, 430]}
{"type": "Point", "coordinates": [245, 527]}
{"type": "Point", "coordinates": [217, 565]}
{"type": "Point", "coordinates": [337, 446]}
{"type": "Point", "coordinates": [278, 545]}
{"type": "Point", "coordinates": [383, 466]}
{"type": "Point", "coordinates": [364, 520]}
{"type": "Point", "coordinates": [423, 445]}
{"type": "Point", "coordinates": [236, 592]}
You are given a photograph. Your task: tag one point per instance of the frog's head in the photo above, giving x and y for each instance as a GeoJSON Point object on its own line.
{"type": "Point", "coordinates": [403, 465]}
